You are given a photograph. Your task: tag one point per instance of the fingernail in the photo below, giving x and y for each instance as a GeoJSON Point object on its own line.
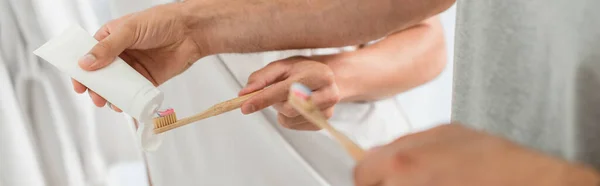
{"type": "Point", "coordinates": [87, 60]}
{"type": "Point", "coordinates": [248, 109]}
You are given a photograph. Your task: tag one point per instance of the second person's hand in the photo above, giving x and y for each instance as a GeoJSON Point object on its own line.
{"type": "Point", "coordinates": [155, 42]}
{"type": "Point", "coordinates": [277, 77]}
{"type": "Point", "coordinates": [453, 155]}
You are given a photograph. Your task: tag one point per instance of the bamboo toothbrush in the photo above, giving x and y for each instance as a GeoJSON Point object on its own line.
{"type": "Point", "coordinates": [299, 98]}
{"type": "Point", "coordinates": [168, 120]}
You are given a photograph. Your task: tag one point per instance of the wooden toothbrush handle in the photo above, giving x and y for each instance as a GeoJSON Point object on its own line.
{"type": "Point", "coordinates": [220, 108]}
{"type": "Point", "coordinates": [215, 110]}
{"type": "Point", "coordinates": [352, 148]}
{"type": "Point", "coordinates": [232, 104]}
{"type": "Point", "coordinates": [315, 116]}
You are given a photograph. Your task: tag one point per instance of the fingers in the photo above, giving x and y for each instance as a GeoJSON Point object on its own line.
{"type": "Point", "coordinates": [108, 48]}
{"type": "Point", "coordinates": [97, 99]}
{"type": "Point", "coordinates": [290, 122]}
{"type": "Point", "coordinates": [326, 97]}
{"type": "Point", "coordinates": [261, 79]}
{"type": "Point", "coordinates": [264, 77]}
{"type": "Point", "coordinates": [323, 98]}
{"type": "Point", "coordinates": [271, 95]}
{"type": "Point", "coordinates": [285, 109]}
{"type": "Point", "coordinates": [308, 126]}
{"type": "Point", "coordinates": [78, 87]}
{"type": "Point", "coordinates": [278, 92]}
{"type": "Point", "coordinates": [102, 33]}
{"type": "Point", "coordinates": [101, 102]}
{"type": "Point", "coordinates": [301, 123]}
{"type": "Point", "coordinates": [297, 123]}
{"type": "Point", "coordinates": [111, 106]}
{"type": "Point", "coordinates": [278, 76]}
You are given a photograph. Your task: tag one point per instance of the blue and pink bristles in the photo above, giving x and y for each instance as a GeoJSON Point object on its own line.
{"type": "Point", "coordinates": [301, 91]}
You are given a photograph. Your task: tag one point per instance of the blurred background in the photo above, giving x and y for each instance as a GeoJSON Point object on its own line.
{"type": "Point", "coordinates": [49, 135]}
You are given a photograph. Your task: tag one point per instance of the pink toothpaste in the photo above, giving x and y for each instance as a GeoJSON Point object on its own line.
{"type": "Point", "coordinates": [166, 112]}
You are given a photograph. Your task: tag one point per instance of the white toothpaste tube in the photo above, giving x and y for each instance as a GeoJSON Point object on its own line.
{"type": "Point", "coordinates": [118, 83]}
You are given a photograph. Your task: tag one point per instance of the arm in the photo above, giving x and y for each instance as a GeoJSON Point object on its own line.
{"type": "Point", "coordinates": [265, 25]}
{"type": "Point", "coordinates": [163, 41]}
{"type": "Point", "coordinates": [399, 62]}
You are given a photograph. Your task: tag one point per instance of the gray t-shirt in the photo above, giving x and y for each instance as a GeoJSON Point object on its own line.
{"type": "Point", "coordinates": [529, 70]}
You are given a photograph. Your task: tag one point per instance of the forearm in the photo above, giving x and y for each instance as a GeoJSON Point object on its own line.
{"type": "Point", "coordinates": [395, 64]}
{"type": "Point", "coordinates": [265, 25]}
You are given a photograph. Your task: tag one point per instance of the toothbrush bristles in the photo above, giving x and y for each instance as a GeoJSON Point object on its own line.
{"type": "Point", "coordinates": [165, 120]}
{"type": "Point", "coordinates": [301, 91]}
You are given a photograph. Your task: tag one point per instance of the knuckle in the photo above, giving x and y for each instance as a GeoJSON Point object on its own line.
{"type": "Point", "coordinates": [258, 103]}
{"type": "Point", "coordinates": [403, 162]}
{"type": "Point", "coordinates": [333, 99]}
{"type": "Point", "coordinates": [275, 64]}
{"type": "Point", "coordinates": [329, 113]}
{"type": "Point", "coordinates": [101, 34]}
{"type": "Point", "coordinates": [329, 99]}
{"type": "Point", "coordinates": [254, 76]}
{"type": "Point", "coordinates": [129, 25]}
{"type": "Point", "coordinates": [102, 49]}
{"type": "Point", "coordinates": [130, 29]}
{"type": "Point", "coordinates": [257, 78]}
{"type": "Point", "coordinates": [328, 76]}
{"type": "Point", "coordinates": [336, 98]}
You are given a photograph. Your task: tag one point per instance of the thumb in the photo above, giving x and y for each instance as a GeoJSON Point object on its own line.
{"type": "Point", "coordinates": [107, 49]}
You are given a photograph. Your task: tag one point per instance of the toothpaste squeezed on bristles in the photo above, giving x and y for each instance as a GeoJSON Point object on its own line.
{"type": "Point", "coordinates": [301, 91]}
{"type": "Point", "coordinates": [166, 112]}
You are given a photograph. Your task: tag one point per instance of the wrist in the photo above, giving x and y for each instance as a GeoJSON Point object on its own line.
{"type": "Point", "coordinates": [201, 21]}
{"type": "Point", "coordinates": [231, 26]}
{"type": "Point", "coordinates": [345, 75]}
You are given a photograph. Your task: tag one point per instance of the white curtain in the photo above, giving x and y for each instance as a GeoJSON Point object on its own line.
{"type": "Point", "coordinates": [48, 134]}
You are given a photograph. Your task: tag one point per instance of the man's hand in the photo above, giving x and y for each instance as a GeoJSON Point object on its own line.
{"type": "Point", "coordinates": [452, 155]}
{"type": "Point", "coordinates": [277, 78]}
{"type": "Point", "coordinates": [165, 40]}
{"type": "Point", "coordinates": [155, 42]}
